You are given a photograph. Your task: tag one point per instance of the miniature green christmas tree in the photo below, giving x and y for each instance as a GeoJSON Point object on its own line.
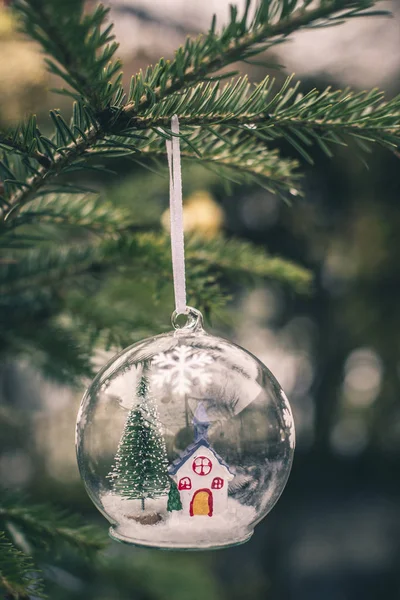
{"type": "Point", "coordinates": [140, 466]}
{"type": "Point", "coordinates": [174, 498]}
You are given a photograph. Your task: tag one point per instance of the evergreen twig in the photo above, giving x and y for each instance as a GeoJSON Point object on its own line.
{"type": "Point", "coordinates": [41, 267]}
{"type": "Point", "coordinates": [44, 527]}
{"type": "Point", "coordinates": [265, 114]}
{"type": "Point", "coordinates": [79, 52]}
{"type": "Point", "coordinates": [107, 113]}
{"type": "Point", "coordinates": [11, 142]}
{"type": "Point", "coordinates": [241, 39]}
{"type": "Point", "coordinates": [18, 576]}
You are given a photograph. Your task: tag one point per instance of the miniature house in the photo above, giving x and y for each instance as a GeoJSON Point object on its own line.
{"type": "Point", "coordinates": [201, 474]}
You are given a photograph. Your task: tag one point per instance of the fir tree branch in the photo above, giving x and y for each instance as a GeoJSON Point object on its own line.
{"type": "Point", "coordinates": [234, 156]}
{"type": "Point", "coordinates": [240, 259]}
{"type": "Point", "coordinates": [80, 210]}
{"type": "Point", "coordinates": [12, 142]}
{"type": "Point", "coordinates": [81, 53]}
{"type": "Point", "coordinates": [62, 160]}
{"type": "Point", "coordinates": [44, 527]}
{"type": "Point", "coordinates": [322, 117]}
{"type": "Point", "coordinates": [96, 326]}
{"type": "Point", "coordinates": [48, 340]}
{"type": "Point", "coordinates": [232, 153]}
{"type": "Point", "coordinates": [240, 40]}
{"type": "Point", "coordinates": [44, 293]}
{"type": "Point", "coordinates": [239, 161]}
{"type": "Point", "coordinates": [75, 39]}
{"type": "Point", "coordinates": [18, 576]}
{"type": "Point", "coordinates": [57, 330]}
{"type": "Point", "coordinates": [145, 251]}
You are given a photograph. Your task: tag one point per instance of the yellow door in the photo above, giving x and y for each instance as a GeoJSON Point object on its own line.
{"type": "Point", "coordinates": [201, 503]}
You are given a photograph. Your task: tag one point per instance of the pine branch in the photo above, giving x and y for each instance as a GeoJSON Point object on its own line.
{"type": "Point", "coordinates": [67, 150]}
{"type": "Point", "coordinates": [44, 527]}
{"type": "Point", "coordinates": [37, 528]}
{"type": "Point", "coordinates": [235, 155]}
{"type": "Point", "coordinates": [25, 140]}
{"type": "Point", "coordinates": [51, 344]}
{"type": "Point", "coordinates": [62, 160]}
{"type": "Point", "coordinates": [83, 50]}
{"type": "Point", "coordinates": [43, 294]}
{"type": "Point", "coordinates": [18, 576]}
{"type": "Point", "coordinates": [41, 267]}
{"type": "Point", "coordinates": [57, 330]}
{"type": "Point", "coordinates": [322, 117]}
{"type": "Point", "coordinates": [81, 53]}
{"type": "Point", "coordinates": [240, 259]}
{"type": "Point", "coordinates": [100, 327]}
{"type": "Point", "coordinates": [78, 210]}
{"type": "Point", "coordinates": [240, 40]}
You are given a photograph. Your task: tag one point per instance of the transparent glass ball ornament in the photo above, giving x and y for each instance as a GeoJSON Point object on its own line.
{"type": "Point", "coordinates": [184, 441]}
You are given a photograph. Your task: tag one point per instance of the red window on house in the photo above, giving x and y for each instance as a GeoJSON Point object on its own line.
{"type": "Point", "coordinates": [202, 465]}
{"type": "Point", "coordinates": [217, 483]}
{"type": "Point", "coordinates": [185, 484]}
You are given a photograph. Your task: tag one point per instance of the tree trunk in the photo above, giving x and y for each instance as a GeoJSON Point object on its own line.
{"type": "Point", "coordinates": [142, 503]}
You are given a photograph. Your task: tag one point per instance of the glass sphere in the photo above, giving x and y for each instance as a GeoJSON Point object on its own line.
{"type": "Point", "coordinates": [184, 441]}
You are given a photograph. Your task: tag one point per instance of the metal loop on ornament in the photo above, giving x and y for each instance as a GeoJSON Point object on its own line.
{"type": "Point", "coordinates": [194, 319]}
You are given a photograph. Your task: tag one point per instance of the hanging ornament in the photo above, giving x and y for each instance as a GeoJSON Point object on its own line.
{"type": "Point", "coordinates": [184, 440]}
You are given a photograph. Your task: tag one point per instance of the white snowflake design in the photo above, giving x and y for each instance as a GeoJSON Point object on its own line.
{"type": "Point", "coordinates": [288, 419]}
{"type": "Point", "coordinates": [182, 368]}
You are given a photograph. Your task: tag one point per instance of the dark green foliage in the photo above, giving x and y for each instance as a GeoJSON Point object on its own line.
{"type": "Point", "coordinates": [174, 498]}
{"type": "Point", "coordinates": [240, 40]}
{"type": "Point", "coordinates": [25, 139]}
{"type": "Point", "coordinates": [44, 527]}
{"type": "Point", "coordinates": [140, 467]}
{"type": "Point", "coordinates": [18, 578]}
{"type": "Point", "coordinates": [47, 268]}
{"type": "Point", "coordinates": [36, 529]}
{"type": "Point", "coordinates": [104, 122]}
{"type": "Point", "coordinates": [43, 294]}
{"type": "Point", "coordinates": [64, 245]}
{"type": "Point", "coordinates": [263, 113]}
{"type": "Point", "coordinates": [80, 52]}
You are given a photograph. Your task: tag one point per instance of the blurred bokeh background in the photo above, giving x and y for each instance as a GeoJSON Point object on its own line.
{"type": "Point", "coordinates": [335, 533]}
